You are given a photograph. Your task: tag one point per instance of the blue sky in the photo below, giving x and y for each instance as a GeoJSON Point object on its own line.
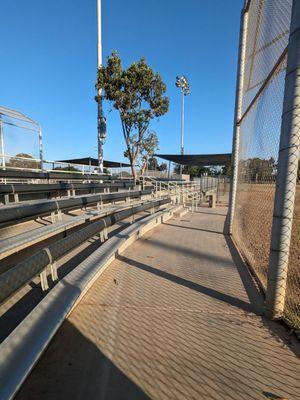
{"type": "Point", "coordinates": [48, 68]}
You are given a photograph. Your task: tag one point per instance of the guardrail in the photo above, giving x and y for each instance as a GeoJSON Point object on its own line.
{"type": "Point", "coordinates": [22, 273]}
{"type": "Point", "coordinates": [181, 192]}
{"type": "Point", "coordinates": [14, 214]}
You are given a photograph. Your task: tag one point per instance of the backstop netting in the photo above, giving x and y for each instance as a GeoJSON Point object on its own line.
{"type": "Point", "coordinates": [20, 141]}
{"type": "Point", "coordinates": [262, 99]}
{"type": "Point", "coordinates": [267, 25]}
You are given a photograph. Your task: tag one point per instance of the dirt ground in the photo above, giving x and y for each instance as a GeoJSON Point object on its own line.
{"type": "Point", "coordinates": [293, 283]}
{"type": "Point", "coordinates": [252, 232]}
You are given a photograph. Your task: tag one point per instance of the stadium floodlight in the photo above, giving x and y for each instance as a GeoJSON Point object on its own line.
{"type": "Point", "coordinates": [183, 84]}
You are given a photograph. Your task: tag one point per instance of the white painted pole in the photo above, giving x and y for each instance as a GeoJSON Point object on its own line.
{"type": "Point", "coordinates": [99, 42]}
{"type": "Point", "coordinates": [2, 144]}
{"type": "Point", "coordinates": [289, 149]}
{"type": "Point", "coordinates": [182, 130]}
{"type": "Point", "coordinates": [237, 116]}
{"type": "Point", "coordinates": [41, 149]}
{"type": "Point", "coordinates": [99, 64]}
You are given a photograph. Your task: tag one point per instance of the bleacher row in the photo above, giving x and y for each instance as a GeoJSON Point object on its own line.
{"type": "Point", "coordinates": [29, 185]}
{"type": "Point", "coordinates": [52, 175]}
{"type": "Point", "coordinates": [72, 208]}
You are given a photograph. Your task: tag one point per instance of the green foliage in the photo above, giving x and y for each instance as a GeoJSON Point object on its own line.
{"type": "Point", "coordinates": [152, 164]}
{"type": "Point", "coordinates": [162, 167]}
{"type": "Point", "coordinates": [148, 148]}
{"type": "Point", "coordinates": [138, 94]}
{"type": "Point", "coordinates": [226, 171]}
{"type": "Point", "coordinates": [20, 161]}
{"type": "Point", "coordinates": [193, 171]}
{"type": "Point", "coordinates": [259, 170]}
{"type": "Point", "coordinates": [68, 168]}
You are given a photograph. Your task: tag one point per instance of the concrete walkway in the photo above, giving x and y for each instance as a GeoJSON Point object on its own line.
{"type": "Point", "coordinates": [177, 316]}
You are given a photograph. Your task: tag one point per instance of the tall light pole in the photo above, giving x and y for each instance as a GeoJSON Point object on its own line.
{"type": "Point", "coordinates": [182, 83]}
{"type": "Point", "coordinates": [101, 119]}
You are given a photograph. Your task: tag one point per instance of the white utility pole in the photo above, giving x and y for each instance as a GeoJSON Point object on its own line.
{"type": "Point", "coordinates": [182, 126]}
{"type": "Point", "coordinates": [182, 83]}
{"type": "Point", "coordinates": [101, 119]}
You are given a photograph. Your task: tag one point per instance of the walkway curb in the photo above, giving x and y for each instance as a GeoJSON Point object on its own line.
{"type": "Point", "coordinates": [21, 350]}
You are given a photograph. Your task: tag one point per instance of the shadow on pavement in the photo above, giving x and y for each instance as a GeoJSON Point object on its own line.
{"type": "Point", "coordinates": [191, 285]}
{"type": "Point", "coordinates": [74, 368]}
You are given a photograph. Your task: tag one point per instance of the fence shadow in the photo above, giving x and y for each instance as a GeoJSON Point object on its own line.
{"type": "Point", "coordinates": [233, 301]}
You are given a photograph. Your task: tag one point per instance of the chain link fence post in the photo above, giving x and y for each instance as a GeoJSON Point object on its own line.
{"type": "Point", "coordinates": [287, 175]}
{"type": "Point", "coordinates": [237, 115]}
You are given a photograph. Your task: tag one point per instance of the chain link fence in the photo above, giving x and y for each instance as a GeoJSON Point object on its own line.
{"type": "Point", "coordinates": [258, 154]}
{"type": "Point", "coordinates": [265, 33]}
{"type": "Point", "coordinates": [292, 302]}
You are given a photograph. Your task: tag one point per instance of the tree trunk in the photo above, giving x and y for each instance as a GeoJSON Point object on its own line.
{"type": "Point", "coordinates": [144, 166]}
{"type": "Point", "coordinates": [132, 163]}
{"type": "Point", "coordinates": [133, 170]}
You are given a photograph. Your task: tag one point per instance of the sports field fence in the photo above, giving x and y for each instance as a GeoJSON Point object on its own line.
{"type": "Point", "coordinates": [264, 217]}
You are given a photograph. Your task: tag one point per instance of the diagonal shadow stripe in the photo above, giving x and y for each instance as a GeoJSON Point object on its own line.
{"type": "Point", "coordinates": [233, 301]}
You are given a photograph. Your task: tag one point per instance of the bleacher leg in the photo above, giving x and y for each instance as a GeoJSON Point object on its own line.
{"type": "Point", "coordinates": [44, 280]}
{"type": "Point", "coordinates": [53, 268]}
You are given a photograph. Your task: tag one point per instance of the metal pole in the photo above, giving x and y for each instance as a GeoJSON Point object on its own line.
{"type": "Point", "coordinates": [288, 159]}
{"type": "Point", "coordinates": [100, 109]}
{"type": "Point", "coordinates": [238, 115]}
{"type": "Point", "coordinates": [41, 148]}
{"type": "Point", "coordinates": [182, 130]}
{"type": "Point", "coordinates": [2, 144]}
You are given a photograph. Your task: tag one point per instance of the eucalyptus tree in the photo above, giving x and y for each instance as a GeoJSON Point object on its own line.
{"type": "Point", "coordinates": [138, 93]}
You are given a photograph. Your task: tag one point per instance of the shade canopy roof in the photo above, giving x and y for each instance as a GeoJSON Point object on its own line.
{"type": "Point", "coordinates": [94, 162]}
{"type": "Point", "coordinates": [197, 159]}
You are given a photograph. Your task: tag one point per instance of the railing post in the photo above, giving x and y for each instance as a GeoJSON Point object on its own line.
{"type": "Point", "coordinates": [41, 149]}
{"type": "Point", "coordinates": [286, 181]}
{"type": "Point", "coordinates": [237, 115]}
{"type": "Point", "coordinates": [2, 143]}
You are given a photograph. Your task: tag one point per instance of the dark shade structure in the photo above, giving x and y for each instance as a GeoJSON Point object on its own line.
{"type": "Point", "coordinates": [94, 162]}
{"type": "Point", "coordinates": [197, 159]}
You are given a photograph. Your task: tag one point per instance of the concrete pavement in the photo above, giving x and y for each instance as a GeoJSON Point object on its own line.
{"type": "Point", "coordinates": [176, 316]}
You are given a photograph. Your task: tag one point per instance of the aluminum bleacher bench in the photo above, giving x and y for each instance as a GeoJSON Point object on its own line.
{"type": "Point", "coordinates": [16, 213]}
{"type": "Point", "coordinates": [13, 190]}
